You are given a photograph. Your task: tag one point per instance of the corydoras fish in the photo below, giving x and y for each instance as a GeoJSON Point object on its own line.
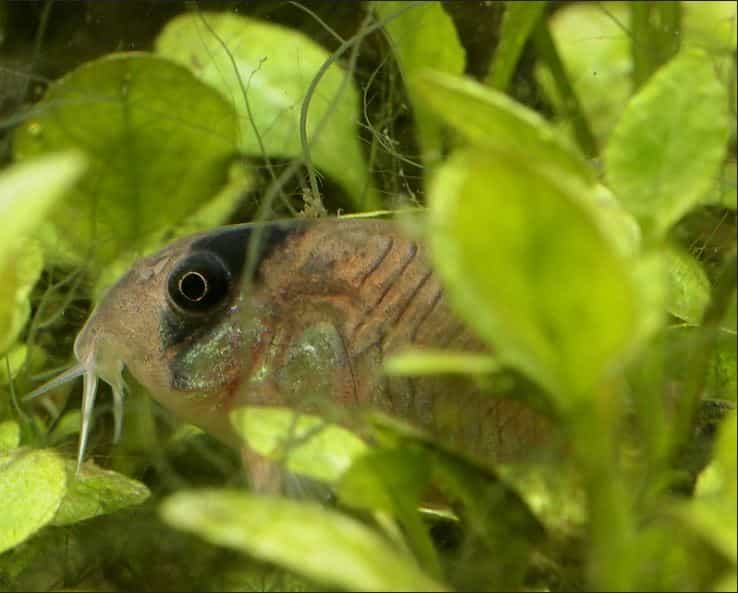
{"type": "Point", "coordinates": [299, 314]}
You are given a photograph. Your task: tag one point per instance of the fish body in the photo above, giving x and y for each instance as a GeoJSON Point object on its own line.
{"type": "Point", "coordinates": [296, 313]}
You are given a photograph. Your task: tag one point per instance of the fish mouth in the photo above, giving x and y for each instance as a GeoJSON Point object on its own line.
{"type": "Point", "coordinates": [97, 360]}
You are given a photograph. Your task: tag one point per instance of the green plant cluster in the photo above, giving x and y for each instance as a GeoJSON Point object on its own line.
{"type": "Point", "coordinates": [576, 199]}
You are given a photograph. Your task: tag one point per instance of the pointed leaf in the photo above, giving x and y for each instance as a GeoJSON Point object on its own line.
{"type": "Point", "coordinates": [657, 171]}
{"type": "Point", "coordinates": [489, 118]}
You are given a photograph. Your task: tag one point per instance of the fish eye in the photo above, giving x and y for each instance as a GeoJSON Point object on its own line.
{"type": "Point", "coordinates": [199, 283]}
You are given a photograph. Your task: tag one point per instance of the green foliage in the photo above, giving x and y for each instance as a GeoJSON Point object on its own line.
{"type": "Point", "coordinates": [324, 545]}
{"type": "Point", "coordinates": [443, 52]}
{"type": "Point", "coordinates": [304, 443]}
{"type": "Point", "coordinates": [517, 24]}
{"type": "Point", "coordinates": [94, 491]}
{"type": "Point", "coordinates": [32, 486]}
{"type": "Point", "coordinates": [27, 192]}
{"type": "Point", "coordinates": [265, 72]}
{"type": "Point", "coordinates": [657, 176]}
{"type": "Point", "coordinates": [570, 338]}
{"type": "Point", "coordinates": [567, 190]}
{"type": "Point", "coordinates": [120, 109]}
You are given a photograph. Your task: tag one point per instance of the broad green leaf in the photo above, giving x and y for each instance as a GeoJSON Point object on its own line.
{"type": "Point", "coordinates": [322, 545]}
{"type": "Point", "coordinates": [659, 176]}
{"type": "Point", "coordinates": [558, 305]}
{"type": "Point", "coordinates": [9, 436]}
{"type": "Point", "coordinates": [265, 71]}
{"type": "Point", "coordinates": [161, 141]}
{"type": "Point", "coordinates": [490, 119]}
{"type": "Point", "coordinates": [423, 37]}
{"type": "Point", "coordinates": [306, 444]}
{"type": "Point", "coordinates": [32, 485]}
{"type": "Point", "coordinates": [436, 362]}
{"type": "Point", "coordinates": [517, 24]}
{"type": "Point", "coordinates": [689, 286]}
{"type": "Point", "coordinates": [94, 491]}
{"type": "Point", "coordinates": [27, 193]}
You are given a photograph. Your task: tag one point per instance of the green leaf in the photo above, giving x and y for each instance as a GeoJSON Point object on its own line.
{"type": "Point", "coordinates": [121, 110]}
{"type": "Point", "coordinates": [517, 24]}
{"type": "Point", "coordinates": [490, 119]}
{"type": "Point", "coordinates": [303, 537]}
{"type": "Point", "coordinates": [306, 444]}
{"type": "Point", "coordinates": [689, 286]}
{"type": "Point", "coordinates": [9, 436]}
{"type": "Point", "coordinates": [423, 37]}
{"type": "Point", "coordinates": [16, 358]}
{"type": "Point", "coordinates": [273, 69]}
{"type": "Point", "coordinates": [32, 485]}
{"type": "Point", "coordinates": [657, 175]}
{"type": "Point", "coordinates": [436, 362]}
{"type": "Point", "coordinates": [656, 35]}
{"type": "Point", "coordinates": [594, 44]}
{"type": "Point", "coordinates": [712, 513]}
{"type": "Point", "coordinates": [559, 306]}
{"type": "Point", "coordinates": [94, 491]}
{"type": "Point", "coordinates": [392, 481]}
{"type": "Point", "coordinates": [27, 192]}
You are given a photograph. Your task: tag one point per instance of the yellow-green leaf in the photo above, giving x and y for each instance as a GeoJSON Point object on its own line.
{"type": "Point", "coordinates": [489, 118]}
{"type": "Point", "coordinates": [306, 444]}
{"type": "Point", "coordinates": [32, 485]}
{"type": "Point", "coordinates": [660, 172]}
{"type": "Point", "coordinates": [27, 192]}
{"type": "Point", "coordinates": [528, 267]}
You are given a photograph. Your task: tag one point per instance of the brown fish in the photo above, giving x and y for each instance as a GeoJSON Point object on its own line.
{"type": "Point", "coordinates": [309, 328]}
